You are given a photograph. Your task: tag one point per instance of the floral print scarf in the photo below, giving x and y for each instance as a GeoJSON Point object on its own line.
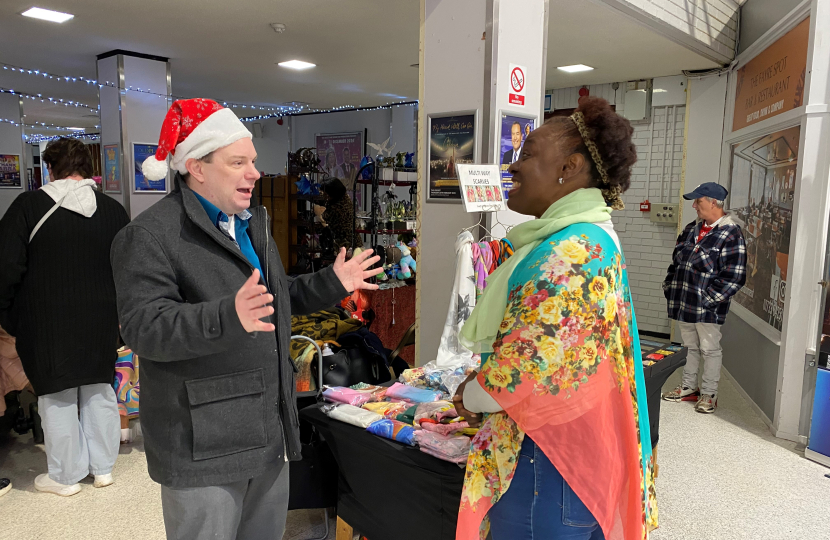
{"type": "Point", "coordinates": [566, 367]}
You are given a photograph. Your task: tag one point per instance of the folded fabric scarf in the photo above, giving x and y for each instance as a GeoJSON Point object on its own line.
{"type": "Point", "coordinates": [388, 409]}
{"type": "Point", "coordinates": [415, 395]}
{"type": "Point", "coordinates": [446, 415]}
{"type": "Point", "coordinates": [353, 415]}
{"type": "Point", "coordinates": [411, 376]}
{"type": "Point", "coordinates": [407, 416]}
{"type": "Point", "coordinates": [454, 449]}
{"type": "Point", "coordinates": [445, 429]}
{"type": "Point", "coordinates": [126, 383]}
{"type": "Point", "coordinates": [341, 394]}
{"type": "Point", "coordinates": [377, 392]}
{"type": "Point", "coordinates": [431, 410]}
{"type": "Point", "coordinates": [392, 429]}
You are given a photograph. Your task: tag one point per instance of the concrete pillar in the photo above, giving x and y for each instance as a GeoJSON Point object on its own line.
{"type": "Point", "coordinates": [467, 48]}
{"type": "Point", "coordinates": [802, 321]}
{"type": "Point", "coordinates": [11, 143]}
{"type": "Point", "coordinates": [132, 112]}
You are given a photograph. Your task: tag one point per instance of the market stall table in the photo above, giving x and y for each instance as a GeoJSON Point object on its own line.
{"type": "Point", "coordinates": [390, 491]}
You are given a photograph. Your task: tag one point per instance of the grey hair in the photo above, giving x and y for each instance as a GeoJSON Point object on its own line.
{"type": "Point", "coordinates": [716, 202]}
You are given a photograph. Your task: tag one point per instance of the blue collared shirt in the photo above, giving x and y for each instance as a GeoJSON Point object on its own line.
{"type": "Point", "coordinates": [240, 233]}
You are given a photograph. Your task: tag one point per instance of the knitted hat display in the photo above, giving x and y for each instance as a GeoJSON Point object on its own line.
{"type": "Point", "coordinates": [193, 128]}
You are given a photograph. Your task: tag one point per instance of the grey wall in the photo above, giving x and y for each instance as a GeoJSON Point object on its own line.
{"type": "Point", "coordinates": [758, 16]}
{"type": "Point", "coordinates": [272, 148]}
{"type": "Point", "coordinates": [752, 360]}
{"type": "Point", "coordinates": [11, 142]}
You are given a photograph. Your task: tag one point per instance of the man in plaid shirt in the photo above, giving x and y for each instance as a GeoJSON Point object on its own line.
{"type": "Point", "coordinates": [708, 267]}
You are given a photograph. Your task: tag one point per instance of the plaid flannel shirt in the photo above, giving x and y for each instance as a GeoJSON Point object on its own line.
{"type": "Point", "coordinates": [703, 277]}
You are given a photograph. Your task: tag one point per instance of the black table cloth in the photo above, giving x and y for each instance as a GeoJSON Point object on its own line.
{"type": "Point", "coordinates": [390, 491]}
{"type": "Point", "coordinates": [387, 490]}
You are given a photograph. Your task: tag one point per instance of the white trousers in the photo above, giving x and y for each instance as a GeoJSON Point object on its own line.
{"type": "Point", "coordinates": [77, 445]}
{"type": "Point", "coordinates": [703, 342]}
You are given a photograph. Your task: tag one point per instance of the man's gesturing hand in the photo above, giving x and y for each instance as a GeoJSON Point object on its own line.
{"type": "Point", "coordinates": [353, 274]}
{"type": "Point", "coordinates": [253, 303]}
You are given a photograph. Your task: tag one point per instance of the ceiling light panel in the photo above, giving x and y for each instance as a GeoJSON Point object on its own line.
{"type": "Point", "coordinates": [576, 68]}
{"type": "Point", "coordinates": [47, 15]}
{"type": "Point", "coordinates": [296, 64]}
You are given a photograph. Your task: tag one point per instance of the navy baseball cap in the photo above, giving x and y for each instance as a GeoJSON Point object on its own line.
{"type": "Point", "coordinates": [709, 189]}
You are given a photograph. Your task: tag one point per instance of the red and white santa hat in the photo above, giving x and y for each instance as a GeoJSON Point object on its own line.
{"type": "Point", "coordinates": [193, 128]}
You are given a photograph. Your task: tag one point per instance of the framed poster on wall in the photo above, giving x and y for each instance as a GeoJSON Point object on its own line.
{"type": "Point", "coordinates": [452, 141]}
{"type": "Point", "coordinates": [112, 171]}
{"type": "Point", "coordinates": [10, 176]}
{"type": "Point", "coordinates": [763, 178]}
{"type": "Point", "coordinates": [514, 131]}
{"type": "Point", "coordinates": [340, 154]}
{"type": "Point", "coordinates": [142, 151]}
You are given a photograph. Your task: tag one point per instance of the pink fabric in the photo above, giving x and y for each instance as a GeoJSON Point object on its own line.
{"type": "Point", "coordinates": [445, 429]}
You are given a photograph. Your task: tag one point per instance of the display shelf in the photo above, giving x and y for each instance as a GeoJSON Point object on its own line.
{"type": "Point", "coordinates": [388, 182]}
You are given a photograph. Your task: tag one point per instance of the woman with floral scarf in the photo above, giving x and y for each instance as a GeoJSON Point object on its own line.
{"type": "Point", "coordinates": [564, 447]}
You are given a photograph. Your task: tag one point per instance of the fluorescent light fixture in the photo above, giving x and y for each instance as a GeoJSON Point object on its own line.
{"type": "Point", "coordinates": [296, 64]}
{"type": "Point", "coordinates": [576, 68]}
{"type": "Point", "coordinates": [659, 91]}
{"type": "Point", "coordinates": [76, 129]}
{"type": "Point", "coordinates": [47, 15]}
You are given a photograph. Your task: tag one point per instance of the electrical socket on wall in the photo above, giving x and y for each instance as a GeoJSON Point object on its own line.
{"type": "Point", "coordinates": [665, 213]}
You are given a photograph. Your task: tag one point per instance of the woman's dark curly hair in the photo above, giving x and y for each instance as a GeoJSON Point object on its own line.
{"type": "Point", "coordinates": [67, 157]}
{"type": "Point", "coordinates": [611, 135]}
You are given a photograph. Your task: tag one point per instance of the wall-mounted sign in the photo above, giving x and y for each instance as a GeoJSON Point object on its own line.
{"type": "Point", "coordinates": [514, 132]}
{"type": "Point", "coordinates": [481, 188]}
{"type": "Point", "coordinates": [142, 184]}
{"type": "Point", "coordinates": [112, 172]}
{"type": "Point", "coordinates": [516, 88]}
{"type": "Point", "coordinates": [10, 176]}
{"type": "Point", "coordinates": [761, 200]}
{"type": "Point", "coordinates": [773, 82]}
{"type": "Point", "coordinates": [452, 141]}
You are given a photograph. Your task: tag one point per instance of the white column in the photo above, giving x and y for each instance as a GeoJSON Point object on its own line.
{"type": "Point", "coordinates": [801, 317]}
{"type": "Point", "coordinates": [11, 143]}
{"type": "Point", "coordinates": [467, 47]}
{"type": "Point", "coordinates": [130, 115]}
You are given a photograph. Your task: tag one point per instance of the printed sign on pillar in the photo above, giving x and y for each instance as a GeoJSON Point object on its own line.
{"type": "Point", "coordinates": [516, 88]}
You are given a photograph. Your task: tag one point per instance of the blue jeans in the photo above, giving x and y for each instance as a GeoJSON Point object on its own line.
{"type": "Point", "coordinates": [540, 505]}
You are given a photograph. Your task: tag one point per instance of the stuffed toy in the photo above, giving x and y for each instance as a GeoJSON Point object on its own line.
{"type": "Point", "coordinates": [407, 262]}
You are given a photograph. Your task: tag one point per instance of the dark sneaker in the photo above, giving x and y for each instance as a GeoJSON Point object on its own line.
{"type": "Point", "coordinates": [682, 393]}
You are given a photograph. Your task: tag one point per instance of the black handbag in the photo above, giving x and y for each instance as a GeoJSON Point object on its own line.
{"type": "Point", "coordinates": [349, 366]}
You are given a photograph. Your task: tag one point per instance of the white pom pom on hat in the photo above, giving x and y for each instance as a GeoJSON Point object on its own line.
{"type": "Point", "coordinates": [154, 169]}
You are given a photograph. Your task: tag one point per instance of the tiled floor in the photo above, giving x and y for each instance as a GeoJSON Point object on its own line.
{"type": "Point", "coordinates": [722, 477]}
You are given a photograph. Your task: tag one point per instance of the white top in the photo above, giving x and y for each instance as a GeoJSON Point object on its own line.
{"type": "Point", "coordinates": [476, 398]}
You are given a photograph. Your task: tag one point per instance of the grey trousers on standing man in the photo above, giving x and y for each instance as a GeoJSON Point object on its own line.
{"type": "Point", "coordinates": [703, 342]}
{"type": "Point", "coordinates": [253, 509]}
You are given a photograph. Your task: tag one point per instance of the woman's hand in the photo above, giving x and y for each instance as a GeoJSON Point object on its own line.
{"type": "Point", "coordinates": [474, 419]}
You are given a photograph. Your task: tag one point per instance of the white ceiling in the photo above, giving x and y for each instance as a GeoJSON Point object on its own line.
{"type": "Point", "coordinates": [227, 50]}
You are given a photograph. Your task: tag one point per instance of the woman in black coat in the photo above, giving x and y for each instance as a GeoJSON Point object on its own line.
{"type": "Point", "coordinates": [57, 297]}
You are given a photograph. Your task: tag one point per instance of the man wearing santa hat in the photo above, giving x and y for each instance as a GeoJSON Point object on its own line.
{"type": "Point", "coordinates": [204, 301]}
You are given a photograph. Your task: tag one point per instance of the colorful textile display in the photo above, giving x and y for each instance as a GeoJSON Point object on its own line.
{"type": "Point", "coordinates": [340, 394]}
{"type": "Point", "coordinates": [388, 409]}
{"type": "Point", "coordinates": [352, 415]}
{"type": "Point", "coordinates": [325, 325]}
{"type": "Point", "coordinates": [445, 429]}
{"type": "Point", "coordinates": [407, 416]}
{"type": "Point", "coordinates": [448, 448]}
{"type": "Point", "coordinates": [126, 383]}
{"type": "Point", "coordinates": [451, 353]}
{"type": "Point", "coordinates": [431, 410]}
{"type": "Point", "coordinates": [392, 429]}
{"type": "Point", "coordinates": [415, 395]}
{"type": "Point", "coordinates": [566, 367]}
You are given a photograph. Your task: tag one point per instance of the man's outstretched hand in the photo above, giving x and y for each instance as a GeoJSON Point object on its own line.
{"type": "Point", "coordinates": [353, 274]}
{"type": "Point", "coordinates": [252, 304]}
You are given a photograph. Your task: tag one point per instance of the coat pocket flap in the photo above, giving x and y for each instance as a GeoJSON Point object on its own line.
{"type": "Point", "coordinates": [212, 389]}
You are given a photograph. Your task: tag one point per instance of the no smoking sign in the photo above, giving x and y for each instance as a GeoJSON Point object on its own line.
{"type": "Point", "coordinates": [516, 94]}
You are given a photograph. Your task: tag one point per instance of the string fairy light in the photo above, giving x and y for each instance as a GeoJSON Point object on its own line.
{"type": "Point", "coordinates": [44, 99]}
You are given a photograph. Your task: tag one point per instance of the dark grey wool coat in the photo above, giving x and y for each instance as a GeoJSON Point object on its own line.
{"type": "Point", "coordinates": [217, 403]}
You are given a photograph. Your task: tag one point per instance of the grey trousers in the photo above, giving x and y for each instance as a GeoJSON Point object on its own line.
{"type": "Point", "coordinates": [703, 342]}
{"type": "Point", "coordinates": [77, 446]}
{"type": "Point", "coordinates": [253, 509]}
